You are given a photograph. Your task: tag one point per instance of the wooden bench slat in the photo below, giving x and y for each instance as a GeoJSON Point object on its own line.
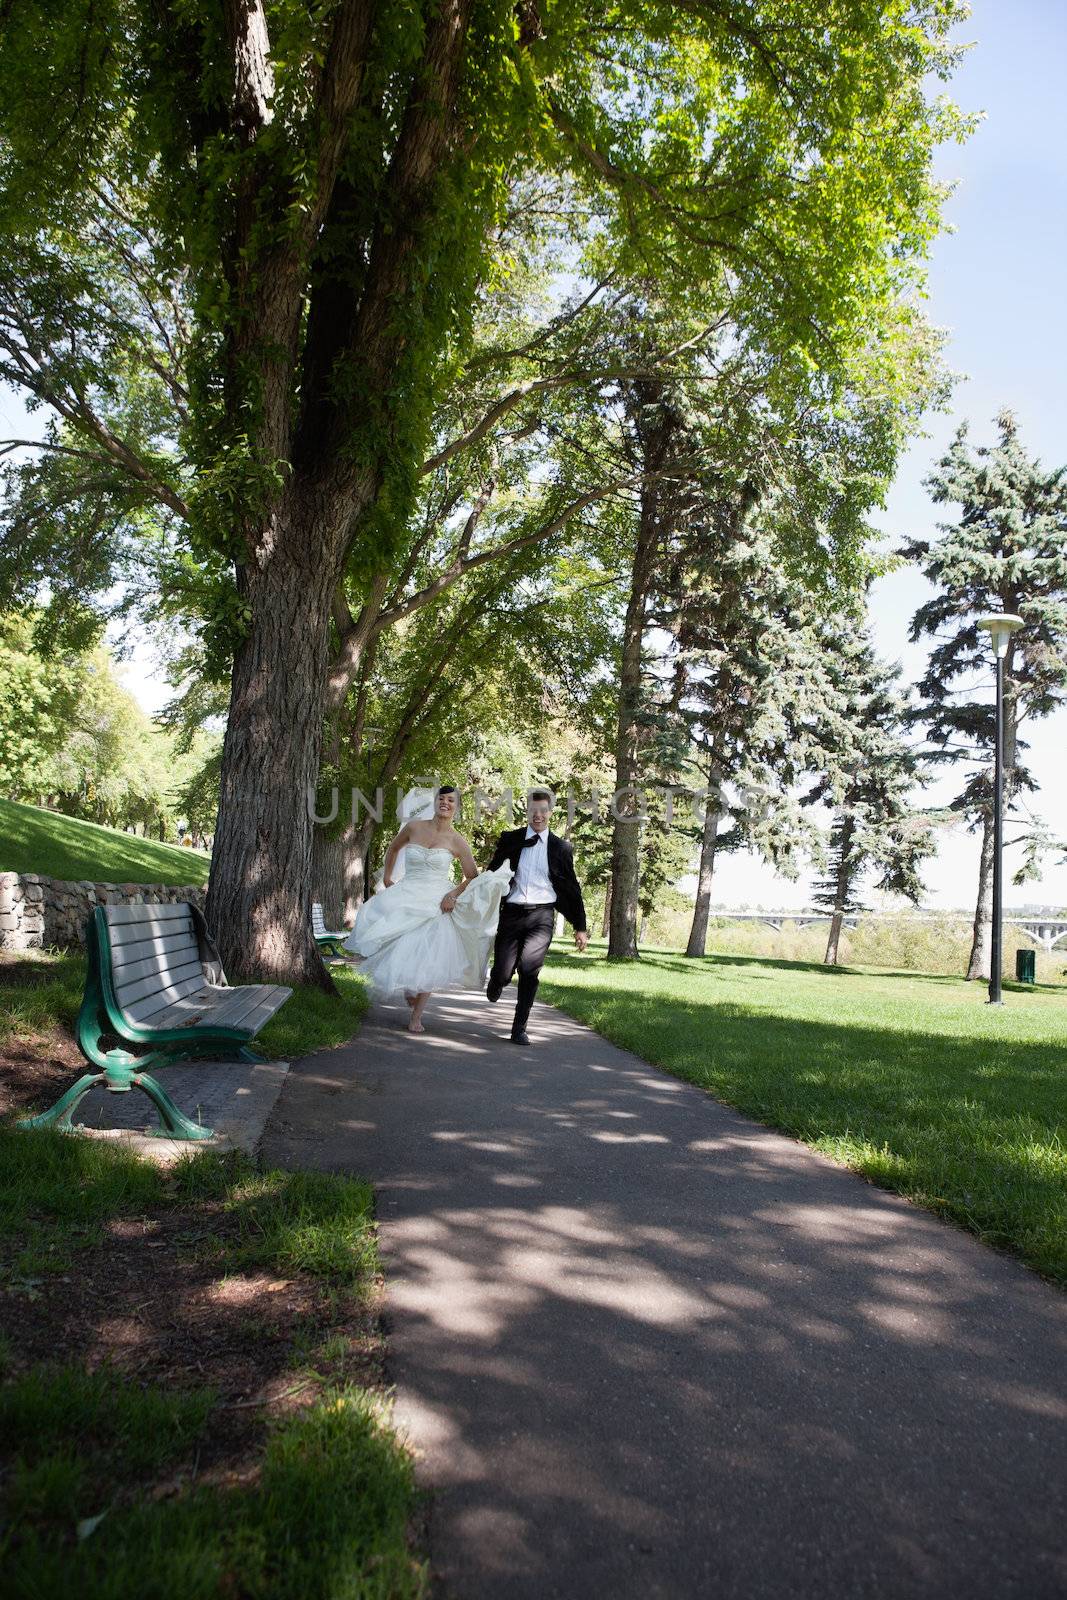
{"type": "Point", "coordinates": [133, 985]}
{"type": "Point", "coordinates": [246, 1001]}
{"type": "Point", "coordinates": [213, 1007]}
{"type": "Point", "coordinates": [143, 1008]}
{"type": "Point", "coordinates": [245, 1009]}
{"type": "Point", "coordinates": [265, 1010]}
{"type": "Point", "coordinates": [172, 945]}
{"type": "Point", "coordinates": [124, 933]}
{"type": "Point", "coordinates": [194, 1008]}
{"type": "Point", "coordinates": [161, 911]}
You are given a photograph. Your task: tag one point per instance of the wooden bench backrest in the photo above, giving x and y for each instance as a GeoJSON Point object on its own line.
{"type": "Point", "coordinates": [155, 957]}
{"type": "Point", "coordinates": [318, 921]}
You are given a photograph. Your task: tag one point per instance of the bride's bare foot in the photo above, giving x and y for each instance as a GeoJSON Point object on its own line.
{"type": "Point", "coordinates": [418, 1006]}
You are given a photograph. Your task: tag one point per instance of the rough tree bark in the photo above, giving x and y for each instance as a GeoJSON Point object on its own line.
{"type": "Point", "coordinates": [327, 865]}
{"type": "Point", "coordinates": [626, 832]}
{"type": "Point", "coordinates": [259, 896]}
{"type": "Point", "coordinates": [653, 429]}
{"type": "Point", "coordinates": [709, 839]}
{"type": "Point", "coordinates": [978, 966]}
{"type": "Point", "coordinates": [841, 888]}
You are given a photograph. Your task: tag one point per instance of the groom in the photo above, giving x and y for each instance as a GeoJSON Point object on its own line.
{"type": "Point", "coordinates": [544, 882]}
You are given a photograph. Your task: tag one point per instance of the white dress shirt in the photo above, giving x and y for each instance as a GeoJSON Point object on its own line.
{"type": "Point", "coordinates": [532, 885]}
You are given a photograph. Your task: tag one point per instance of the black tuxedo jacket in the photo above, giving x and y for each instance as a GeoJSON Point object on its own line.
{"type": "Point", "coordinates": [560, 871]}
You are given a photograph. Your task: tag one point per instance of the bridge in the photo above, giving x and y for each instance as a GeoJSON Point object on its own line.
{"type": "Point", "coordinates": [1045, 931]}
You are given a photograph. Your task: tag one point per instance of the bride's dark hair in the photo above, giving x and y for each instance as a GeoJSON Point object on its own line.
{"type": "Point", "coordinates": [448, 788]}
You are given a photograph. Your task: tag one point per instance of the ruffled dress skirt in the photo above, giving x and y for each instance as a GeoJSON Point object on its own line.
{"type": "Point", "coordinates": [407, 942]}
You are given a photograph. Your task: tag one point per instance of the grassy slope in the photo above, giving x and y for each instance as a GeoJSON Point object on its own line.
{"type": "Point", "coordinates": [909, 1079]}
{"type": "Point", "coordinates": [33, 840]}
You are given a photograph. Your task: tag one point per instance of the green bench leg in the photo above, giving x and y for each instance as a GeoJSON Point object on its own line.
{"type": "Point", "coordinates": [174, 1124]}
{"type": "Point", "coordinates": [59, 1115]}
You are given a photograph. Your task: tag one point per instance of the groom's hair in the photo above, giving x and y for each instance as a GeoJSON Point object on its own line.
{"type": "Point", "coordinates": [540, 794]}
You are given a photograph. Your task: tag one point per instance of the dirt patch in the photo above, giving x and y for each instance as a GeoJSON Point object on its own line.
{"type": "Point", "coordinates": [38, 1062]}
{"type": "Point", "coordinates": [36, 1068]}
{"type": "Point", "coordinates": [154, 1299]}
{"type": "Point", "coordinates": [26, 971]}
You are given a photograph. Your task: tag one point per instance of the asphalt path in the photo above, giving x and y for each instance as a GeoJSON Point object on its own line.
{"type": "Point", "coordinates": [645, 1347]}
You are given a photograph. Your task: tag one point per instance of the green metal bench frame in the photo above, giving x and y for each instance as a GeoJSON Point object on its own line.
{"type": "Point", "coordinates": [331, 944]}
{"type": "Point", "coordinates": [123, 1069]}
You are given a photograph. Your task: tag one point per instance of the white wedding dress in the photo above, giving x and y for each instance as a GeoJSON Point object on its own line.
{"type": "Point", "coordinates": [407, 941]}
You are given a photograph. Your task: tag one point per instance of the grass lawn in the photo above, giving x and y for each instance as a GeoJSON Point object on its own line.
{"type": "Point", "coordinates": [33, 840]}
{"type": "Point", "coordinates": [191, 1389]}
{"type": "Point", "coordinates": [192, 1395]}
{"type": "Point", "coordinates": [911, 1080]}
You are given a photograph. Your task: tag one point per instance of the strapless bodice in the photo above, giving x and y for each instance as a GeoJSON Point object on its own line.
{"type": "Point", "coordinates": [431, 860]}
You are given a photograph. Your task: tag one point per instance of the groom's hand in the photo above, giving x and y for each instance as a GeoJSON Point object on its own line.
{"type": "Point", "coordinates": [581, 940]}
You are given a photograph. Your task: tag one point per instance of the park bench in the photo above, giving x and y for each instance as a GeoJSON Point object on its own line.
{"type": "Point", "coordinates": [156, 993]}
{"type": "Point", "coordinates": [331, 944]}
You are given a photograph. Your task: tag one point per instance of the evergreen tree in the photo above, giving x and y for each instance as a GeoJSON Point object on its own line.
{"type": "Point", "coordinates": [750, 683]}
{"type": "Point", "coordinates": [871, 779]}
{"type": "Point", "coordinates": [1006, 552]}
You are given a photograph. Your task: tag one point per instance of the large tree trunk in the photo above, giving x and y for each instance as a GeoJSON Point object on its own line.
{"type": "Point", "coordinates": [327, 868]}
{"type": "Point", "coordinates": [626, 834]}
{"type": "Point", "coordinates": [339, 870]}
{"type": "Point", "coordinates": [356, 843]}
{"type": "Point", "coordinates": [709, 839]}
{"type": "Point", "coordinates": [259, 897]}
{"type": "Point", "coordinates": [841, 892]}
{"type": "Point", "coordinates": [982, 937]}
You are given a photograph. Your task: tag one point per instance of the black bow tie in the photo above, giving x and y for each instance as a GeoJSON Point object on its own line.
{"type": "Point", "coordinates": [526, 843]}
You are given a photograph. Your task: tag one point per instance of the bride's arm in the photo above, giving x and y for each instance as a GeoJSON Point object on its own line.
{"type": "Point", "coordinates": [470, 872]}
{"type": "Point", "coordinates": [402, 838]}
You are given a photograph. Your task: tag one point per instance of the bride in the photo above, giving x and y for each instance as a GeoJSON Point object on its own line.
{"type": "Point", "coordinates": [421, 931]}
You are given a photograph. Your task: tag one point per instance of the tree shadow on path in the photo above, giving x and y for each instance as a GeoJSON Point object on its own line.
{"type": "Point", "coordinates": [649, 1349]}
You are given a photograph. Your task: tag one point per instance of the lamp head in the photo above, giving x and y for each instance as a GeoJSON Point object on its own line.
{"type": "Point", "coordinates": [1000, 625]}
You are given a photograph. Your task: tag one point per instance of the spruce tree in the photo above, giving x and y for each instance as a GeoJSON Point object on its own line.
{"type": "Point", "coordinates": [750, 683]}
{"type": "Point", "coordinates": [1006, 552]}
{"type": "Point", "coordinates": [871, 776]}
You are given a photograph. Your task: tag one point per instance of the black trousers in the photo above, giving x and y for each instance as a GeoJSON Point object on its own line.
{"type": "Point", "coordinates": [523, 936]}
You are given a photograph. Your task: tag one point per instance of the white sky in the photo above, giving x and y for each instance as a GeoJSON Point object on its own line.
{"type": "Point", "coordinates": [997, 286]}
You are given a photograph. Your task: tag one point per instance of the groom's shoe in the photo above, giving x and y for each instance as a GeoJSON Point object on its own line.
{"type": "Point", "coordinates": [521, 1038]}
{"type": "Point", "coordinates": [494, 990]}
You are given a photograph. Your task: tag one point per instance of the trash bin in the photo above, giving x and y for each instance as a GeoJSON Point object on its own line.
{"type": "Point", "coordinates": [1026, 966]}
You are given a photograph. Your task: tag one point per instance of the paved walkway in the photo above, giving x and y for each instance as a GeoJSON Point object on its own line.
{"type": "Point", "coordinates": [234, 1098]}
{"type": "Point", "coordinates": [650, 1350]}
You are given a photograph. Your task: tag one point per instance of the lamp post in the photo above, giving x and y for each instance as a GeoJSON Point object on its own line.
{"type": "Point", "coordinates": [1000, 626]}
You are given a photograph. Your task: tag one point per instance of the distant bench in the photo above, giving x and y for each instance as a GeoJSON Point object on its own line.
{"type": "Point", "coordinates": [155, 994]}
{"type": "Point", "coordinates": [331, 944]}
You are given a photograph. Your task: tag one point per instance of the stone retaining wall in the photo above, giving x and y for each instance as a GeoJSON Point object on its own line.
{"type": "Point", "coordinates": [39, 913]}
